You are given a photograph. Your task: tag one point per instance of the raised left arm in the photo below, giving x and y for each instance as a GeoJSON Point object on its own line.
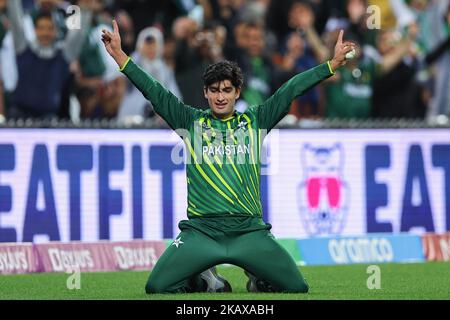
{"type": "Point", "coordinates": [277, 106]}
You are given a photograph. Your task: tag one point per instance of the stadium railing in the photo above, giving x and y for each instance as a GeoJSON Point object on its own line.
{"type": "Point", "coordinates": [287, 123]}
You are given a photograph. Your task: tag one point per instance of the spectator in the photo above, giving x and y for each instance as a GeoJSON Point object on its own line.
{"type": "Point", "coordinates": [428, 15]}
{"type": "Point", "coordinates": [56, 8]}
{"type": "Point", "coordinates": [403, 14]}
{"type": "Point", "coordinates": [158, 13]}
{"type": "Point", "coordinates": [98, 82]}
{"type": "Point", "coordinates": [3, 29]}
{"type": "Point", "coordinates": [148, 55]}
{"type": "Point", "coordinates": [126, 31]}
{"type": "Point", "coordinates": [110, 97]}
{"type": "Point", "coordinates": [258, 68]}
{"type": "Point", "coordinates": [142, 13]}
{"type": "Point", "coordinates": [301, 19]}
{"type": "Point", "coordinates": [348, 94]}
{"type": "Point", "coordinates": [225, 12]}
{"type": "Point", "coordinates": [440, 103]}
{"type": "Point", "coordinates": [255, 11]}
{"type": "Point", "coordinates": [302, 50]}
{"type": "Point", "coordinates": [2, 99]}
{"type": "Point", "coordinates": [278, 10]}
{"type": "Point", "coordinates": [3, 20]}
{"type": "Point", "coordinates": [195, 49]}
{"type": "Point", "coordinates": [235, 46]}
{"type": "Point", "coordinates": [355, 23]}
{"type": "Point", "coordinates": [297, 58]}
{"type": "Point", "coordinates": [397, 93]}
{"type": "Point", "coordinates": [46, 57]}
{"type": "Point", "coordinates": [169, 51]}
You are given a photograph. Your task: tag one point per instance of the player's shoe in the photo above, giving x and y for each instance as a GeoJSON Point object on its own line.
{"type": "Point", "coordinates": [257, 285]}
{"type": "Point", "coordinates": [213, 282]}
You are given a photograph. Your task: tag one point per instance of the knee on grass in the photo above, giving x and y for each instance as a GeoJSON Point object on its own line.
{"type": "Point", "coordinates": [299, 288]}
{"type": "Point", "coordinates": [153, 287]}
{"type": "Point", "coordinates": [304, 288]}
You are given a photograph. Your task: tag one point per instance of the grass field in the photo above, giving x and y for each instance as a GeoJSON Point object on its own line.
{"type": "Point", "coordinates": [398, 281]}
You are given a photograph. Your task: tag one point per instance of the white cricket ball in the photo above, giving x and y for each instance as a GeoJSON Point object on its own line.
{"type": "Point", "coordinates": [350, 55]}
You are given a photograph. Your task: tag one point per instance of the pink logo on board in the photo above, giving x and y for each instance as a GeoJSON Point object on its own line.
{"type": "Point", "coordinates": [323, 194]}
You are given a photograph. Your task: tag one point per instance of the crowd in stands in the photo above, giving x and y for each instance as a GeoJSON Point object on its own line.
{"type": "Point", "coordinates": [50, 69]}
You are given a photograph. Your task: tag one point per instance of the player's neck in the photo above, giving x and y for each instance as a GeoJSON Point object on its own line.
{"type": "Point", "coordinates": [223, 117]}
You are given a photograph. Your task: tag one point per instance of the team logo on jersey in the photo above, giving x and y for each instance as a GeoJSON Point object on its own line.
{"type": "Point", "coordinates": [207, 132]}
{"type": "Point", "coordinates": [323, 194]}
{"type": "Point", "coordinates": [177, 242]}
{"type": "Point", "coordinates": [205, 126]}
{"type": "Point", "coordinates": [242, 125]}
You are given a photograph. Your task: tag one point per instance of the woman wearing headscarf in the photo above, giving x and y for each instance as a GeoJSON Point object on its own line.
{"type": "Point", "coordinates": [149, 56]}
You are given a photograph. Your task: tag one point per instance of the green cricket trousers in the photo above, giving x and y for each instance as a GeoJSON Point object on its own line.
{"type": "Point", "coordinates": [244, 241]}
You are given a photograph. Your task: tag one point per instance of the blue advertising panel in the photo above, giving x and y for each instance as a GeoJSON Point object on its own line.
{"type": "Point", "coordinates": [379, 248]}
{"type": "Point", "coordinates": [93, 184]}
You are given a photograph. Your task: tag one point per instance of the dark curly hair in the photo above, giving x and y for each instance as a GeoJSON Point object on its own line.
{"type": "Point", "coordinates": [223, 70]}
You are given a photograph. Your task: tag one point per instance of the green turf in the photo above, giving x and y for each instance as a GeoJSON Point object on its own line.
{"type": "Point", "coordinates": [398, 281]}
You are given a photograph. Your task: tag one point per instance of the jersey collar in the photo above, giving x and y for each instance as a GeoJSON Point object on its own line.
{"type": "Point", "coordinates": [223, 120]}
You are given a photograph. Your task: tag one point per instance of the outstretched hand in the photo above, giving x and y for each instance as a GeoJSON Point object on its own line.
{"type": "Point", "coordinates": [112, 43]}
{"type": "Point", "coordinates": [340, 50]}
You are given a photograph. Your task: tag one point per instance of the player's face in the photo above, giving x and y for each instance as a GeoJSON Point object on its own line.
{"type": "Point", "coordinates": [45, 32]}
{"type": "Point", "coordinates": [221, 98]}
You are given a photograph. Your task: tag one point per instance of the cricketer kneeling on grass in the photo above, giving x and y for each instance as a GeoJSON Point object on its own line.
{"type": "Point", "coordinates": [223, 174]}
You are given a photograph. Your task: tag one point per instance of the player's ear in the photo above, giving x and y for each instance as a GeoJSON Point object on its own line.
{"type": "Point", "coordinates": [238, 93]}
{"type": "Point", "coordinates": [205, 92]}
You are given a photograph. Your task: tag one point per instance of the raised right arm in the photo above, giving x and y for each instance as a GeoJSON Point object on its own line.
{"type": "Point", "coordinates": [15, 14]}
{"type": "Point", "coordinates": [165, 103]}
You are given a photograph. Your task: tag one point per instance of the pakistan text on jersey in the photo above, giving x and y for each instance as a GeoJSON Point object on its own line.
{"type": "Point", "coordinates": [228, 150]}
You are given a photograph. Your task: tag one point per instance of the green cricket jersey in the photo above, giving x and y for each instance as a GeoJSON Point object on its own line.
{"type": "Point", "coordinates": [223, 155]}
